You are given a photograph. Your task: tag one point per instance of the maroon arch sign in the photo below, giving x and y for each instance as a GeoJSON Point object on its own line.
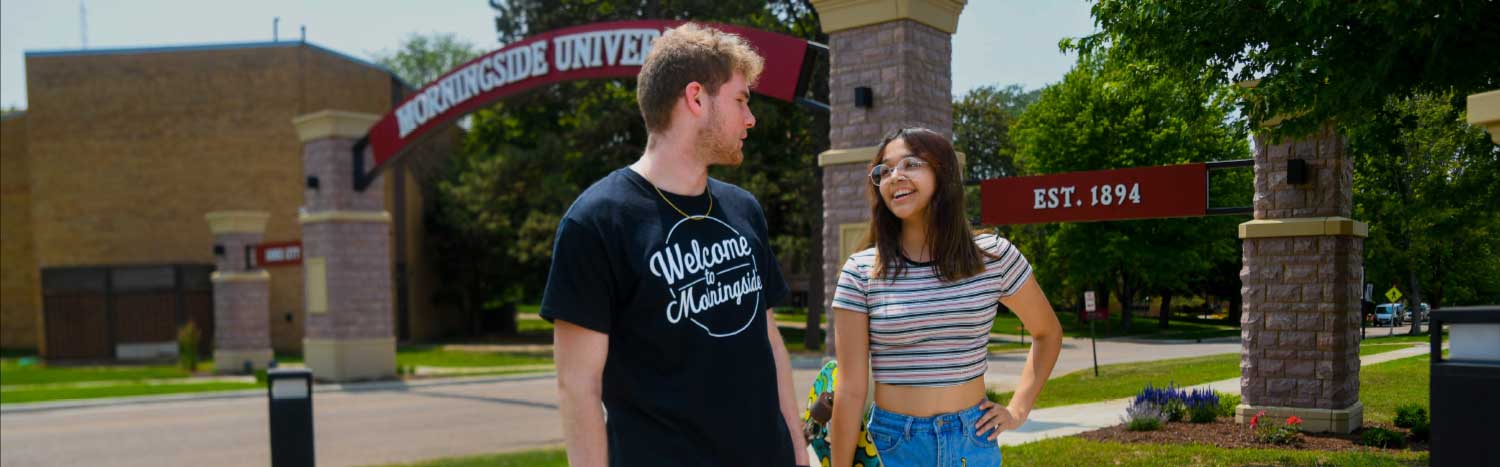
{"type": "Point", "coordinates": [601, 50]}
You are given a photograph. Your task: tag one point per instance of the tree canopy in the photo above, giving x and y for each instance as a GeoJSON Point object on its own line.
{"type": "Point", "coordinates": [1316, 60]}
{"type": "Point", "coordinates": [1111, 112]}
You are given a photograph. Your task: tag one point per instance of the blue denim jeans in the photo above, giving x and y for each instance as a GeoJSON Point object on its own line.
{"type": "Point", "coordinates": [947, 440]}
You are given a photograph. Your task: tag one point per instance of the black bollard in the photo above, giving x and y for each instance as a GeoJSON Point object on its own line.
{"type": "Point", "coordinates": [289, 391]}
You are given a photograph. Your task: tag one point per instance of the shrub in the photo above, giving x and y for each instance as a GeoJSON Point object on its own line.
{"type": "Point", "coordinates": [1227, 403]}
{"type": "Point", "coordinates": [1144, 416]}
{"type": "Point", "coordinates": [1421, 431]}
{"type": "Point", "coordinates": [1382, 438]}
{"type": "Point", "coordinates": [1202, 406]}
{"type": "Point", "coordinates": [1275, 432]}
{"type": "Point", "coordinates": [1409, 415]}
{"type": "Point", "coordinates": [188, 337]}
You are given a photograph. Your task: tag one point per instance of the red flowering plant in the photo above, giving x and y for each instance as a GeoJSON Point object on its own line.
{"type": "Point", "coordinates": [1272, 432]}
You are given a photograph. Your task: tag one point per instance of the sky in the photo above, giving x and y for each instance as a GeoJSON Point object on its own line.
{"type": "Point", "coordinates": [998, 42]}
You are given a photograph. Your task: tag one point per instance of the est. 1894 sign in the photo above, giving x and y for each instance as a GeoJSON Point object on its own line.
{"type": "Point", "coordinates": [1133, 193]}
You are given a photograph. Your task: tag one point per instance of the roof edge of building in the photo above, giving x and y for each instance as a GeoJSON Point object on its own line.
{"type": "Point", "coordinates": [214, 47]}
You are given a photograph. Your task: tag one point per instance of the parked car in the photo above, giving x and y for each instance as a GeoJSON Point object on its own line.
{"type": "Point", "coordinates": [1388, 314]}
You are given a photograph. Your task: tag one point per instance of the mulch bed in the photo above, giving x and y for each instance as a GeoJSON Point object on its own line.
{"type": "Point", "coordinates": [1224, 433]}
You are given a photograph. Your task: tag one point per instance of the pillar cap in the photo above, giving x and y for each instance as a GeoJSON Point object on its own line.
{"type": "Point", "coordinates": [840, 15]}
{"type": "Point", "coordinates": [1304, 227]}
{"type": "Point", "coordinates": [227, 222]}
{"type": "Point", "coordinates": [258, 275]}
{"type": "Point", "coordinates": [333, 124]}
{"type": "Point", "coordinates": [1484, 111]}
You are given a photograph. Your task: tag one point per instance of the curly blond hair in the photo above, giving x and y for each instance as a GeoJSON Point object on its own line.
{"type": "Point", "coordinates": [686, 54]}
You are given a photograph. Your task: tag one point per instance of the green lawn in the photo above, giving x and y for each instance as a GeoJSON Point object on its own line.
{"type": "Point", "coordinates": [1048, 452]}
{"type": "Point", "coordinates": [10, 396]}
{"type": "Point", "coordinates": [16, 380]}
{"type": "Point", "coordinates": [1372, 337]}
{"type": "Point", "coordinates": [533, 326]}
{"type": "Point", "coordinates": [1126, 379]}
{"type": "Point", "coordinates": [795, 339]}
{"type": "Point", "coordinates": [12, 374]}
{"type": "Point", "coordinates": [797, 315]}
{"type": "Point", "coordinates": [1141, 326]}
{"type": "Point", "coordinates": [1383, 386]}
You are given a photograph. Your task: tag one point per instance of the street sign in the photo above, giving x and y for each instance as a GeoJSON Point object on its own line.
{"type": "Point", "coordinates": [1393, 295]}
{"type": "Point", "coordinates": [1369, 292]}
{"type": "Point", "coordinates": [1098, 195]}
{"type": "Point", "coordinates": [1091, 308]}
{"type": "Point", "coordinates": [278, 254]}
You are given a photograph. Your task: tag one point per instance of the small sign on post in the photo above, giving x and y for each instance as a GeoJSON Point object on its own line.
{"type": "Point", "coordinates": [1089, 308]}
{"type": "Point", "coordinates": [1393, 295]}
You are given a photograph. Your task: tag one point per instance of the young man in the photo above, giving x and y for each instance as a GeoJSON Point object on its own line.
{"type": "Point", "coordinates": [662, 282]}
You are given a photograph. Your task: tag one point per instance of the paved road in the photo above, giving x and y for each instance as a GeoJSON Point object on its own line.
{"type": "Point", "coordinates": [389, 422]}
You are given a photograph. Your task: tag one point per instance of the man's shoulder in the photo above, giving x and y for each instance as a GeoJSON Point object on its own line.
{"type": "Point", "coordinates": [732, 194]}
{"type": "Point", "coordinates": [601, 200]}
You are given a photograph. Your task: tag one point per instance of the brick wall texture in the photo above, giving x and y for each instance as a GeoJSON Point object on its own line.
{"type": "Point", "coordinates": [1300, 326]}
{"type": "Point", "coordinates": [240, 315]}
{"type": "Point", "coordinates": [20, 290]}
{"type": "Point", "coordinates": [122, 153]}
{"type": "Point", "coordinates": [1329, 189]}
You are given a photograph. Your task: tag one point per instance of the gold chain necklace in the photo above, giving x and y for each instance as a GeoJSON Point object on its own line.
{"type": "Point", "coordinates": [684, 213]}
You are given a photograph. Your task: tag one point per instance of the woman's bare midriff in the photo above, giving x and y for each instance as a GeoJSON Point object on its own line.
{"type": "Point", "coordinates": [929, 401]}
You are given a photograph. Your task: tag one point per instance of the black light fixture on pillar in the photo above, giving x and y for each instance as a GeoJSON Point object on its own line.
{"type": "Point", "coordinates": [218, 250]}
{"type": "Point", "coordinates": [864, 97]}
{"type": "Point", "coordinates": [312, 181]}
{"type": "Point", "coordinates": [1296, 171]}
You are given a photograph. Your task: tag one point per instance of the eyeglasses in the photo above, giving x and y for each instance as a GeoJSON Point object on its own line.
{"type": "Point", "coordinates": [881, 172]}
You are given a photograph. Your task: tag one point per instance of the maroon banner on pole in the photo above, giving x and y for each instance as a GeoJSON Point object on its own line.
{"type": "Point", "coordinates": [1099, 195]}
{"type": "Point", "coordinates": [601, 50]}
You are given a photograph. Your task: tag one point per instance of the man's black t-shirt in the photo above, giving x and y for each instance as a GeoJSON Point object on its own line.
{"type": "Point", "coordinates": [690, 379]}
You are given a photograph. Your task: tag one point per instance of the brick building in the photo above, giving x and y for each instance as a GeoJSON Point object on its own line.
{"type": "Point", "coordinates": [105, 181]}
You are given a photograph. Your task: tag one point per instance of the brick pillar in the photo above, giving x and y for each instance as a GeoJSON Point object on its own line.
{"type": "Point", "coordinates": [902, 50]}
{"type": "Point", "coordinates": [1303, 260]}
{"type": "Point", "coordinates": [242, 295]}
{"type": "Point", "coordinates": [346, 249]}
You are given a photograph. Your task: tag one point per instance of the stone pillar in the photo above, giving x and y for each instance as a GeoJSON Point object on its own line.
{"type": "Point", "coordinates": [902, 50]}
{"type": "Point", "coordinates": [1484, 111]}
{"type": "Point", "coordinates": [1303, 260]}
{"type": "Point", "coordinates": [346, 247]}
{"type": "Point", "coordinates": [242, 295]}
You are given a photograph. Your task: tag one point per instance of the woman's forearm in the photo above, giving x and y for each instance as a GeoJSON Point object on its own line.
{"type": "Point", "coordinates": [1039, 363]}
{"type": "Point", "coordinates": [848, 414]}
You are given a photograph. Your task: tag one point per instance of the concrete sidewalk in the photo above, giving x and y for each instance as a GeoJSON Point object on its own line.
{"type": "Point", "coordinates": [1074, 419]}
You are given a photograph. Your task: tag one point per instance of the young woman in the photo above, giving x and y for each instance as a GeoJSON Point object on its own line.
{"type": "Point", "coordinates": [917, 309]}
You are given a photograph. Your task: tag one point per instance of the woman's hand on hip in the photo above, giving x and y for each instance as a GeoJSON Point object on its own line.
{"type": "Point", "coordinates": [998, 418]}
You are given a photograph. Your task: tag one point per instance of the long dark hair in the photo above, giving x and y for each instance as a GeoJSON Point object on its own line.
{"type": "Point", "coordinates": [954, 254]}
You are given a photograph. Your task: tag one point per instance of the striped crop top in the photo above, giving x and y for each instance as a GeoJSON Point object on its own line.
{"type": "Point", "coordinates": [924, 331]}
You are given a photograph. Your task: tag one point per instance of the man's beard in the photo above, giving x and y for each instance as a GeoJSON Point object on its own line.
{"type": "Point", "coordinates": [717, 148]}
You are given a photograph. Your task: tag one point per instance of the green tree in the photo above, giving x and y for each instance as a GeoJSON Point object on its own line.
{"type": "Point", "coordinates": [1345, 57]}
{"type": "Point", "coordinates": [981, 129]}
{"type": "Point", "coordinates": [1107, 113]}
{"type": "Point", "coordinates": [1426, 181]}
{"type": "Point", "coordinates": [423, 58]}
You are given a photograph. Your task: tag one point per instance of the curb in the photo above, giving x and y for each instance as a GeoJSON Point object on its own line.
{"type": "Point", "coordinates": [366, 386]}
